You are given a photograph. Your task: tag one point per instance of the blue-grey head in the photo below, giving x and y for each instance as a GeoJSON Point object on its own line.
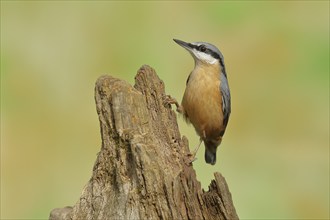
{"type": "Point", "coordinates": [203, 52]}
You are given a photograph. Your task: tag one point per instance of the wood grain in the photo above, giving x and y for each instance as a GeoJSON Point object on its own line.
{"type": "Point", "coordinates": [142, 170]}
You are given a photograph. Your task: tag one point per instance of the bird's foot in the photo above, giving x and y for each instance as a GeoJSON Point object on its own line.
{"type": "Point", "coordinates": [168, 101]}
{"type": "Point", "coordinates": [192, 158]}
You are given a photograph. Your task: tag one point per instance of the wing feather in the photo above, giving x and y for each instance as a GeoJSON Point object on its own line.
{"type": "Point", "coordinates": [226, 102]}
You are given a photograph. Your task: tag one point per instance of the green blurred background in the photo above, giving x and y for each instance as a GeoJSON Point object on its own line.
{"type": "Point", "coordinates": [275, 154]}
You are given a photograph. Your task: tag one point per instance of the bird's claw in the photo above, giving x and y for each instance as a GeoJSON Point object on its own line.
{"type": "Point", "coordinates": [168, 101]}
{"type": "Point", "coordinates": [192, 158]}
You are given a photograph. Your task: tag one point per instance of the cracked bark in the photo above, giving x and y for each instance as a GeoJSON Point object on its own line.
{"type": "Point", "coordinates": [142, 171]}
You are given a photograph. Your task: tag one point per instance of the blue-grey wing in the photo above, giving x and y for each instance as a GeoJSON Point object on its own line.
{"type": "Point", "coordinates": [225, 92]}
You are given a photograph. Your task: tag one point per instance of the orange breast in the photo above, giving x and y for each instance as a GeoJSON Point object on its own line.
{"type": "Point", "coordinates": [202, 102]}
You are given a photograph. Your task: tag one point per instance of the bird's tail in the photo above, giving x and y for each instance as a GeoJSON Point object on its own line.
{"type": "Point", "coordinates": [211, 151]}
{"type": "Point", "coordinates": [210, 157]}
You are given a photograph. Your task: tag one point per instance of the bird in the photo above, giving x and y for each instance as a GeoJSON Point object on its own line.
{"type": "Point", "coordinates": [206, 102]}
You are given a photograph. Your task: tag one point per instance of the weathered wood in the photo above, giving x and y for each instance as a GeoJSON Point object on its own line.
{"type": "Point", "coordinates": [142, 170]}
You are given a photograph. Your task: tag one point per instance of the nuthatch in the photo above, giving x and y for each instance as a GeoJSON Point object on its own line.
{"type": "Point", "coordinates": [206, 100]}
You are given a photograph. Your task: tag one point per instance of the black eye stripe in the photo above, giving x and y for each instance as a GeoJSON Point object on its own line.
{"type": "Point", "coordinates": [202, 48]}
{"type": "Point", "coordinates": [208, 51]}
{"type": "Point", "coordinates": [212, 53]}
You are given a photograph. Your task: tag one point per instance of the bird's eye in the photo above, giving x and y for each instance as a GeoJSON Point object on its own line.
{"type": "Point", "coordinates": [202, 48]}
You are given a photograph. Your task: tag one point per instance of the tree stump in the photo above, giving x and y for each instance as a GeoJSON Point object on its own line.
{"type": "Point", "coordinates": [142, 170]}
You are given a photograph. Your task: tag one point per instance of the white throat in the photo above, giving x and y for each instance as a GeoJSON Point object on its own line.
{"type": "Point", "coordinates": [200, 56]}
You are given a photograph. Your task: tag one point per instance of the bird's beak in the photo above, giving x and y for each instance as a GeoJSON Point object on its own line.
{"type": "Point", "coordinates": [183, 44]}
